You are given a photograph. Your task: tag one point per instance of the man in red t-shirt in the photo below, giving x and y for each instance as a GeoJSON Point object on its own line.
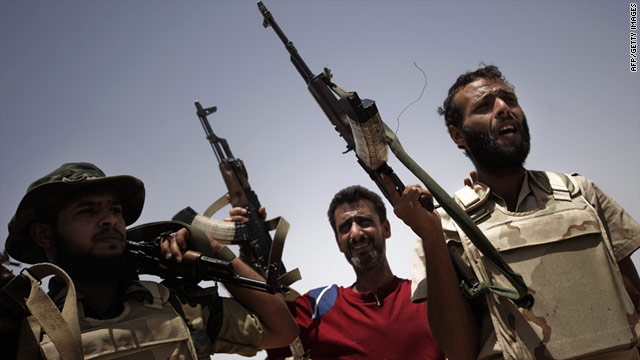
{"type": "Point", "coordinates": [374, 318]}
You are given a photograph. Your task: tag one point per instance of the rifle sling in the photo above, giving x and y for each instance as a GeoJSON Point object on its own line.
{"type": "Point", "coordinates": [281, 227]}
{"type": "Point", "coordinates": [215, 206]}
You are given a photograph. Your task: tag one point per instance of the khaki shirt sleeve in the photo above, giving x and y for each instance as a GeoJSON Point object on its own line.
{"type": "Point", "coordinates": [419, 269]}
{"type": "Point", "coordinates": [240, 332]}
{"type": "Point", "coordinates": [623, 231]}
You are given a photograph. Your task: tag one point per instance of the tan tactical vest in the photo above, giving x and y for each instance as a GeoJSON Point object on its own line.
{"type": "Point", "coordinates": [561, 249]}
{"type": "Point", "coordinates": [144, 331]}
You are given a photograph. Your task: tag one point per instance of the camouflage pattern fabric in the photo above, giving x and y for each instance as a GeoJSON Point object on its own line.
{"type": "Point", "coordinates": [161, 324]}
{"type": "Point", "coordinates": [562, 249]}
{"type": "Point", "coordinates": [240, 332]}
{"type": "Point", "coordinates": [146, 330]}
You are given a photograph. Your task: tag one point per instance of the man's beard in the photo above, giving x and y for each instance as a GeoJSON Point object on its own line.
{"type": "Point", "coordinates": [87, 267]}
{"type": "Point", "coordinates": [367, 261]}
{"type": "Point", "coordinates": [489, 155]}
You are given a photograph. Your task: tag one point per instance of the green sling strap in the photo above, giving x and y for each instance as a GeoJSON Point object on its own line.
{"type": "Point", "coordinates": [520, 295]}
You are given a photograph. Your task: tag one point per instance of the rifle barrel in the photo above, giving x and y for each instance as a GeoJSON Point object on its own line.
{"type": "Point", "coordinates": [296, 59]}
{"type": "Point", "coordinates": [219, 145]}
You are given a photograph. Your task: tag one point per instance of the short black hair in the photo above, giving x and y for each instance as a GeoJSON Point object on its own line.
{"type": "Point", "coordinates": [450, 110]}
{"type": "Point", "coordinates": [351, 195]}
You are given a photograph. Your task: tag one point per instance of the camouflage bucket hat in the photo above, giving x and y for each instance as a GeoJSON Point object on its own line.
{"type": "Point", "coordinates": [46, 197]}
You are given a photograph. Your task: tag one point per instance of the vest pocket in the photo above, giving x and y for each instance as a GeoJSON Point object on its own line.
{"type": "Point", "coordinates": [541, 227]}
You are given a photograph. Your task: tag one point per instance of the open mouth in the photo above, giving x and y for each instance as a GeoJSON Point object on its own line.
{"type": "Point", "coordinates": [507, 128]}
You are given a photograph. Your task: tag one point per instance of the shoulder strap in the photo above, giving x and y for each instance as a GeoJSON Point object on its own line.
{"type": "Point", "coordinates": [558, 186]}
{"type": "Point", "coordinates": [467, 197]}
{"type": "Point", "coordinates": [322, 300]}
{"type": "Point", "coordinates": [63, 327]}
{"type": "Point", "coordinates": [471, 198]}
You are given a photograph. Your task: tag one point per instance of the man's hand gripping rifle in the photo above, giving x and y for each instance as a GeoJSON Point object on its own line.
{"type": "Point", "coordinates": [359, 123]}
{"type": "Point", "coordinates": [255, 241]}
{"type": "Point", "coordinates": [194, 267]}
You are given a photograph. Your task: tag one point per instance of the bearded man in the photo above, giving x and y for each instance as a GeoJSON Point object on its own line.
{"type": "Point", "coordinates": [373, 318]}
{"type": "Point", "coordinates": [570, 241]}
{"type": "Point", "coordinates": [75, 218]}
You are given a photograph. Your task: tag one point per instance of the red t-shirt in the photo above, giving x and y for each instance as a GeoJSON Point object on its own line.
{"type": "Point", "coordinates": [384, 325]}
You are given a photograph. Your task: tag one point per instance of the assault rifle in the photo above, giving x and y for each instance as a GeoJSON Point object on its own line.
{"type": "Point", "coordinates": [253, 235]}
{"type": "Point", "coordinates": [359, 123]}
{"type": "Point", "coordinates": [347, 112]}
{"type": "Point", "coordinates": [194, 267]}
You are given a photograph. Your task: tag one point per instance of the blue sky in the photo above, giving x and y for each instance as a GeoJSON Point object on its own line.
{"type": "Point", "coordinates": [113, 82]}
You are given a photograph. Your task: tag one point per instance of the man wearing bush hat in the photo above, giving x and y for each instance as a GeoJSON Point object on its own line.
{"type": "Point", "coordinates": [75, 218]}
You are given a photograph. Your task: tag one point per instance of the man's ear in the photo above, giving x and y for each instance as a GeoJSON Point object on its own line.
{"type": "Point", "coordinates": [338, 242]}
{"type": "Point", "coordinates": [457, 136]}
{"type": "Point", "coordinates": [42, 234]}
{"type": "Point", "coordinates": [387, 229]}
